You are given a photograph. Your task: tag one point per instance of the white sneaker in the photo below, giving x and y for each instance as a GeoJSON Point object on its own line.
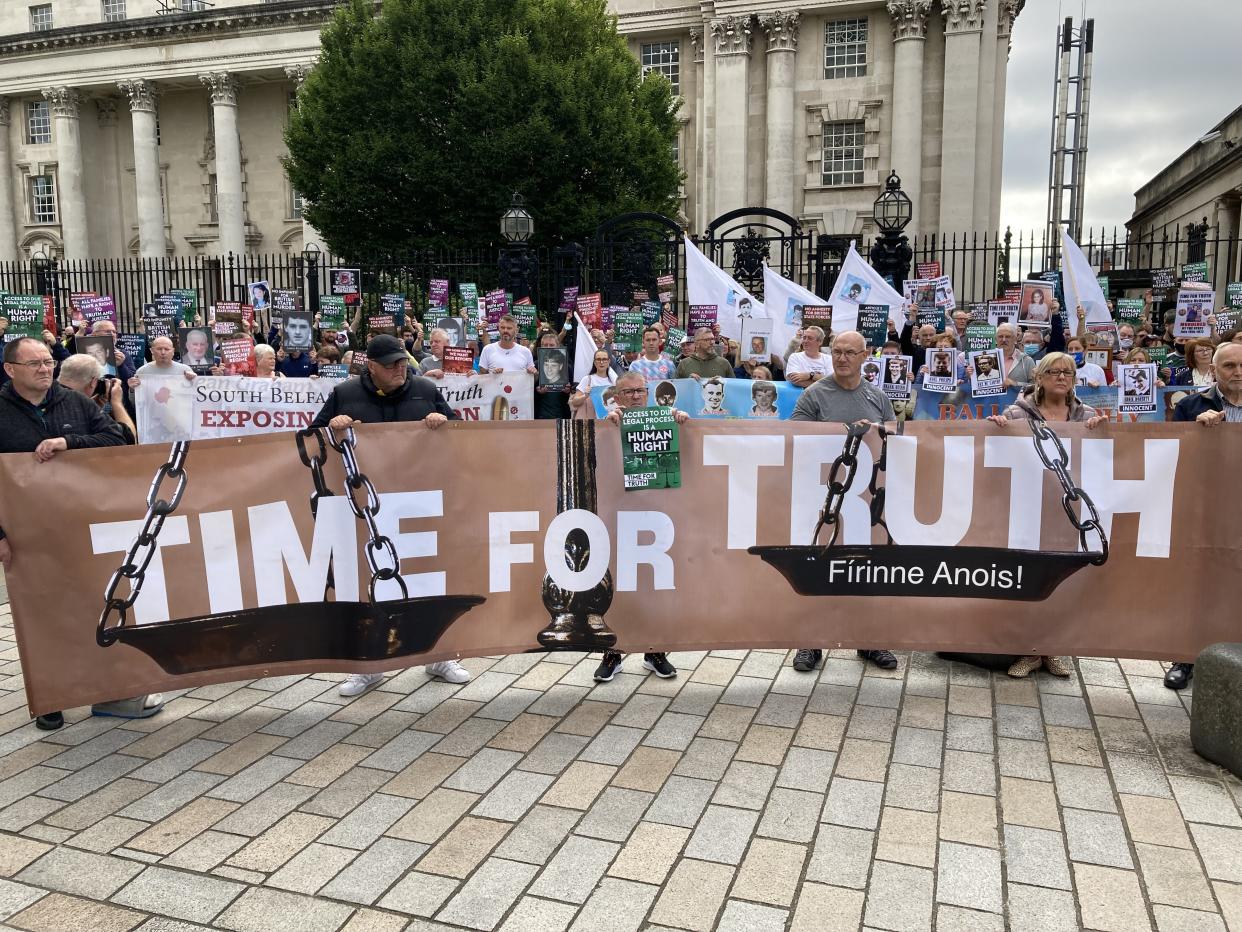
{"type": "Point", "coordinates": [358, 683]}
{"type": "Point", "coordinates": [450, 671]}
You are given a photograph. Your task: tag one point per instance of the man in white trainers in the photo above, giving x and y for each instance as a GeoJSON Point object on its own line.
{"type": "Point", "coordinates": [389, 391]}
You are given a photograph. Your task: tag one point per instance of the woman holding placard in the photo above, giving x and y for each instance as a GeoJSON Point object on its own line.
{"type": "Point", "coordinates": [1050, 399]}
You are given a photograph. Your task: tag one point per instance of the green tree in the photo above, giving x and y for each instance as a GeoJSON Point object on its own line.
{"type": "Point", "coordinates": [419, 123]}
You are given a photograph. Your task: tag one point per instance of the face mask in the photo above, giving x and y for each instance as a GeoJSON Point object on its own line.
{"type": "Point", "coordinates": [1126, 344]}
{"type": "Point", "coordinates": [1077, 358]}
{"type": "Point", "coordinates": [1031, 349]}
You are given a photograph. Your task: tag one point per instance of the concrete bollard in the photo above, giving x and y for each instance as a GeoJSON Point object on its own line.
{"type": "Point", "coordinates": [1216, 712]}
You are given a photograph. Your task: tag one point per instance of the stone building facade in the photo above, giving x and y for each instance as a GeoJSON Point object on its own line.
{"type": "Point", "coordinates": [1204, 183]}
{"type": "Point", "coordinates": [154, 127]}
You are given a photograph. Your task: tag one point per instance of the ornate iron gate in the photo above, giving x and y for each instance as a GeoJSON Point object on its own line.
{"type": "Point", "coordinates": [629, 252]}
{"type": "Point", "coordinates": [742, 240]}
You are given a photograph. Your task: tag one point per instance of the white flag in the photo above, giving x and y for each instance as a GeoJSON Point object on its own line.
{"type": "Point", "coordinates": [707, 283]}
{"type": "Point", "coordinates": [784, 299]}
{"type": "Point", "coordinates": [1080, 286]}
{"type": "Point", "coordinates": [584, 351]}
{"type": "Point", "coordinates": [858, 284]}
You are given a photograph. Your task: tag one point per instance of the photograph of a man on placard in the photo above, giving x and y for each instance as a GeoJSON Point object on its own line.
{"type": "Point", "coordinates": [297, 335]}
{"type": "Point", "coordinates": [763, 396]}
{"type": "Point", "coordinates": [197, 350]}
{"type": "Point", "coordinates": [713, 398]}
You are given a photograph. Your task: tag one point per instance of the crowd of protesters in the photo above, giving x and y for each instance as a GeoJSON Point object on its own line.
{"type": "Point", "coordinates": [398, 376]}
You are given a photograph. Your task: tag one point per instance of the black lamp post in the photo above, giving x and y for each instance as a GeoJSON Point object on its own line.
{"type": "Point", "coordinates": [891, 253]}
{"type": "Point", "coordinates": [44, 268]}
{"type": "Point", "coordinates": [518, 266]}
{"type": "Point", "coordinates": [310, 267]}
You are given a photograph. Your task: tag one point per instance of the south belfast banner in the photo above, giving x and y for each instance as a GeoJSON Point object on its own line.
{"type": "Point", "coordinates": [557, 554]}
{"type": "Point", "coordinates": [171, 408]}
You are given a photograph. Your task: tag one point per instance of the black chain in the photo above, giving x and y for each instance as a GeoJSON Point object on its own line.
{"type": "Point", "coordinates": [377, 543]}
{"type": "Point", "coordinates": [315, 463]}
{"type": "Point", "coordinates": [831, 512]}
{"type": "Point", "coordinates": [142, 550]}
{"type": "Point", "coordinates": [1058, 463]}
{"type": "Point", "coordinates": [876, 490]}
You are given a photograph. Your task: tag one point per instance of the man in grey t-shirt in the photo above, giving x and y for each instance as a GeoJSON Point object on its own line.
{"type": "Point", "coordinates": [844, 397]}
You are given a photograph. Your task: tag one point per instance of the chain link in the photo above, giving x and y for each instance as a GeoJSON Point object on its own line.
{"type": "Point", "coordinates": [848, 460]}
{"type": "Point", "coordinates": [876, 490]}
{"type": "Point", "coordinates": [1058, 463]}
{"type": "Point", "coordinates": [315, 463]}
{"type": "Point", "coordinates": [378, 544]}
{"type": "Point", "coordinates": [142, 550]}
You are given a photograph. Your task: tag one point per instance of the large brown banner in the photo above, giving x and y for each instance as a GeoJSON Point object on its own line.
{"type": "Point", "coordinates": [984, 558]}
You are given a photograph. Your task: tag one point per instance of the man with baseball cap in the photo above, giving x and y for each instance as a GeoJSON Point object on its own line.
{"type": "Point", "coordinates": [388, 391]}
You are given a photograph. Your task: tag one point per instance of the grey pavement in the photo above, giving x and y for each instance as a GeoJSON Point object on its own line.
{"type": "Point", "coordinates": [739, 796]}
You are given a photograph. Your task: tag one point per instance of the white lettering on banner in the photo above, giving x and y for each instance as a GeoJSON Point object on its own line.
{"type": "Point", "coordinates": [630, 553]}
{"type": "Point", "coordinates": [743, 455]}
{"type": "Point", "coordinates": [1026, 484]}
{"type": "Point", "coordinates": [276, 546]}
{"type": "Point", "coordinates": [956, 508]}
{"type": "Point", "coordinates": [223, 565]}
{"type": "Point", "coordinates": [395, 507]}
{"type": "Point", "coordinates": [502, 553]}
{"type": "Point", "coordinates": [811, 456]}
{"type": "Point", "coordinates": [1151, 497]}
{"type": "Point", "coordinates": [117, 536]}
{"type": "Point", "coordinates": [554, 550]}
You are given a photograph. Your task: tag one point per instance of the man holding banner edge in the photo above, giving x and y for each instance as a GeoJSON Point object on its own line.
{"type": "Point", "coordinates": [843, 396]}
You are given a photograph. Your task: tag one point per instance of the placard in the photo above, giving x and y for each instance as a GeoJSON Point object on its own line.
{"type": "Point", "coordinates": [987, 376]}
{"type": "Point", "coordinates": [650, 453]}
{"type": "Point", "coordinates": [941, 375]}
{"type": "Point", "coordinates": [757, 339]}
{"type": "Point", "coordinates": [895, 379]}
{"type": "Point", "coordinates": [1136, 388]}
{"type": "Point", "coordinates": [1193, 309]}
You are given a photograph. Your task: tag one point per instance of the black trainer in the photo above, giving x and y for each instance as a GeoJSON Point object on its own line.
{"type": "Point", "coordinates": [50, 722]}
{"type": "Point", "coordinates": [608, 667]}
{"type": "Point", "coordinates": [883, 659]}
{"type": "Point", "coordinates": [807, 659]}
{"type": "Point", "coordinates": [1179, 675]}
{"type": "Point", "coordinates": [659, 665]}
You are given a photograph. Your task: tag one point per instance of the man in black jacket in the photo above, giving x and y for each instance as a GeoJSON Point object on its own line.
{"type": "Point", "coordinates": [388, 392]}
{"type": "Point", "coordinates": [1219, 404]}
{"type": "Point", "coordinates": [39, 416]}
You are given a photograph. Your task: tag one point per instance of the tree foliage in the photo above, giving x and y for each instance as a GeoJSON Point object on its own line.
{"type": "Point", "coordinates": [419, 123]}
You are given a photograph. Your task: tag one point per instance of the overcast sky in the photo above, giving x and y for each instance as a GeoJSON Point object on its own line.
{"type": "Point", "coordinates": [1164, 74]}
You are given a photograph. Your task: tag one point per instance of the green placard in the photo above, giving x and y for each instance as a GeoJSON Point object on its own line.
{"type": "Point", "coordinates": [24, 313]}
{"type": "Point", "coordinates": [1195, 272]}
{"type": "Point", "coordinates": [527, 317]}
{"type": "Point", "coordinates": [1129, 311]}
{"type": "Point", "coordinates": [873, 324]}
{"type": "Point", "coordinates": [650, 453]}
{"type": "Point", "coordinates": [627, 331]}
{"type": "Point", "coordinates": [188, 298]}
{"type": "Point", "coordinates": [1233, 295]}
{"type": "Point", "coordinates": [331, 312]}
{"type": "Point", "coordinates": [1158, 354]}
{"type": "Point", "coordinates": [672, 343]}
{"type": "Point", "coordinates": [933, 316]}
{"type": "Point", "coordinates": [980, 337]}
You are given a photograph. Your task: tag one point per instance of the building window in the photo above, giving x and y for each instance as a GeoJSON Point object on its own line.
{"type": "Point", "coordinates": [843, 153]}
{"type": "Point", "coordinates": [664, 58]}
{"type": "Point", "coordinates": [38, 123]}
{"type": "Point", "coordinates": [192, 6]}
{"type": "Point", "coordinates": [677, 148]}
{"type": "Point", "coordinates": [213, 191]}
{"type": "Point", "coordinates": [113, 11]}
{"type": "Point", "coordinates": [296, 202]}
{"type": "Point", "coordinates": [42, 199]}
{"type": "Point", "coordinates": [845, 48]}
{"type": "Point", "coordinates": [41, 17]}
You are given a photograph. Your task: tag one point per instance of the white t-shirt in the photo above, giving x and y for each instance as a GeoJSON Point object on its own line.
{"type": "Point", "coordinates": [593, 380]}
{"type": "Point", "coordinates": [516, 358]}
{"type": "Point", "coordinates": [801, 362]}
{"type": "Point", "coordinates": [1090, 372]}
{"type": "Point", "coordinates": [173, 368]}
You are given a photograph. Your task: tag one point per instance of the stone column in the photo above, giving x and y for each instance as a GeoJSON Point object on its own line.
{"type": "Point", "coordinates": [732, 36]}
{"type": "Point", "coordinates": [982, 217]}
{"type": "Point", "coordinates": [906, 158]}
{"type": "Point", "coordinates": [962, 31]}
{"type": "Point", "coordinates": [1005, 16]}
{"type": "Point", "coordinates": [141, 96]}
{"type": "Point", "coordinates": [8, 229]}
{"type": "Point", "coordinates": [778, 165]}
{"type": "Point", "coordinates": [71, 196]}
{"type": "Point", "coordinates": [708, 184]}
{"type": "Point", "coordinates": [298, 73]}
{"type": "Point", "coordinates": [700, 102]}
{"type": "Point", "coordinates": [229, 207]}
